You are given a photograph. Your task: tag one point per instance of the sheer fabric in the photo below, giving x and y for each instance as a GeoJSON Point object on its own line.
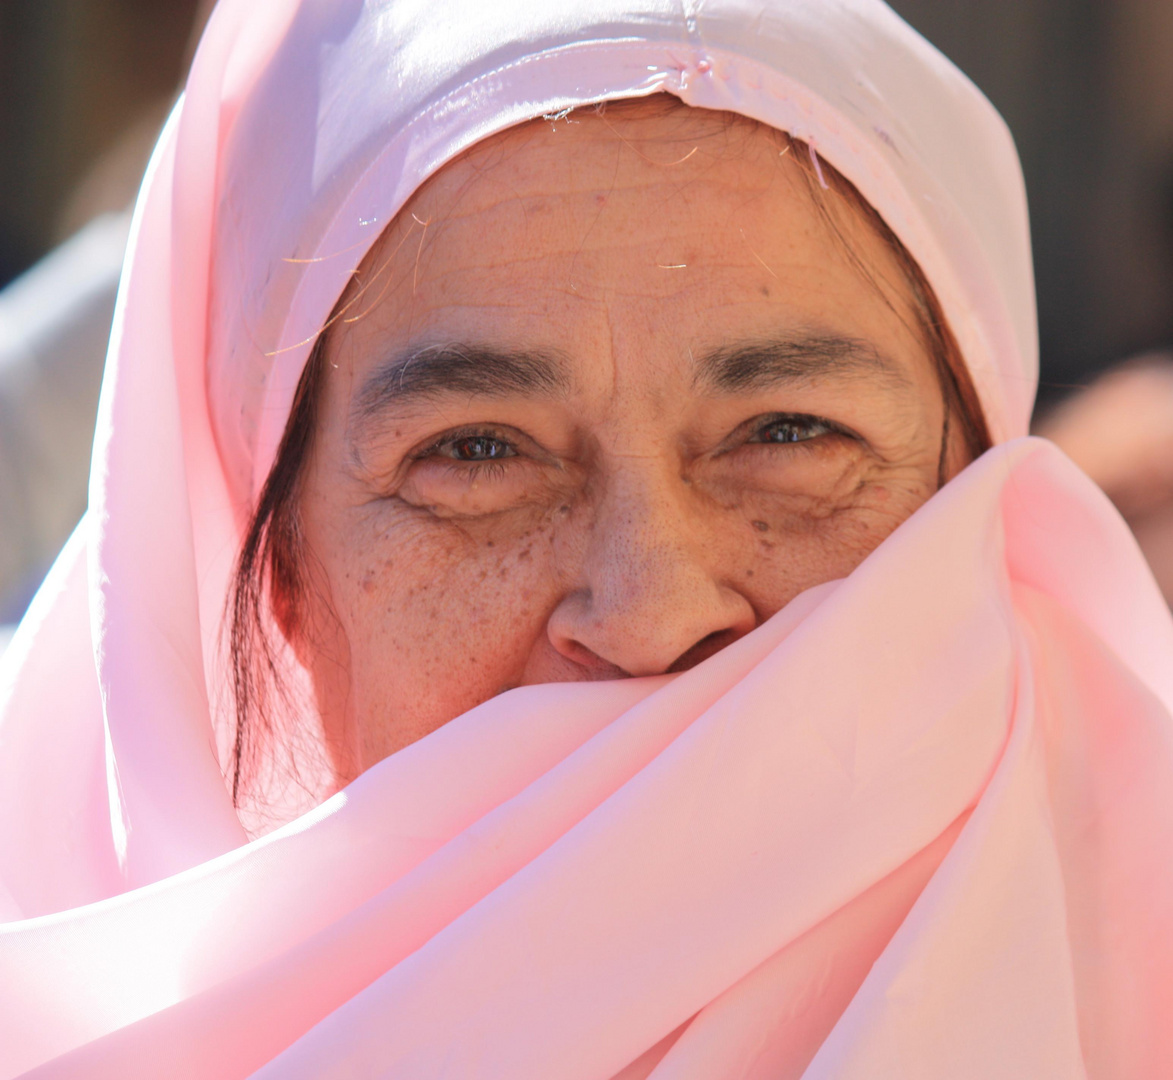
{"type": "Point", "coordinates": [918, 824]}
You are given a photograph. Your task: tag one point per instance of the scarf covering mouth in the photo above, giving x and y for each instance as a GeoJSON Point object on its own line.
{"type": "Point", "coordinates": [919, 824]}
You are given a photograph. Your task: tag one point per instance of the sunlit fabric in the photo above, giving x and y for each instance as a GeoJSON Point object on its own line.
{"type": "Point", "coordinates": [919, 824]}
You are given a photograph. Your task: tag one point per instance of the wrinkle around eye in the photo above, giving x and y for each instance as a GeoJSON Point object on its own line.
{"type": "Point", "coordinates": [815, 467]}
{"type": "Point", "coordinates": [449, 487]}
{"type": "Point", "coordinates": [419, 464]}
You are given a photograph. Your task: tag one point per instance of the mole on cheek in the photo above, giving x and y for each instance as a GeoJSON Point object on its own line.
{"type": "Point", "coordinates": [370, 580]}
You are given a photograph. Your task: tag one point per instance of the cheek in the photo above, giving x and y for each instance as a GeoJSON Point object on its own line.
{"type": "Point", "coordinates": [438, 617]}
{"type": "Point", "coordinates": [788, 547]}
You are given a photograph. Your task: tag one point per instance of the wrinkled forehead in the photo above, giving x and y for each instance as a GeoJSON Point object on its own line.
{"type": "Point", "coordinates": [356, 105]}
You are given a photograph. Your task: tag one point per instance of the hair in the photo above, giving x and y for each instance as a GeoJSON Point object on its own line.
{"type": "Point", "coordinates": [270, 583]}
{"type": "Point", "coordinates": [962, 404]}
{"type": "Point", "coordinates": [267, 607]}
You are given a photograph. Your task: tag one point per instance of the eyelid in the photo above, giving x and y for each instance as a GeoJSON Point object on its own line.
{"type": "Point", "coordinates": [741, 435]}
{"type": "Point", "coordinates": [524, 444]}
{"type": "Point", "coordinates": [815, 426]}
{"type": "Point", "coordinates": [805, 418]}
{"type": "Point", "coordinates": [491, 431]}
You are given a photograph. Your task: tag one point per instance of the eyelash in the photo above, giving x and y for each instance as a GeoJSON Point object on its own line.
{"type": "Point", "coordinates": [484, 468]}
{"type": "Point", "coordinates": [475, 437]}
{"type": "Point", "coordinates": [794, 421]}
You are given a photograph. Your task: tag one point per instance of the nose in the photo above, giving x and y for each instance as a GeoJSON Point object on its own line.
{"type": "Point", "coordinates": [650, 599]}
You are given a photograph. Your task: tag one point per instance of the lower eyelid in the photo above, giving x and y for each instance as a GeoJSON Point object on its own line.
{"type": "Point", "coordinates": [440, 447]}
{"type": "Point", "coordinates": [493, 469]}
{"type": "Point", "coordinates": [822, 445]}
{"type": "Point", "coordinates": [471, 463]}
{"type": "Point", "coordinates": [511, 471]}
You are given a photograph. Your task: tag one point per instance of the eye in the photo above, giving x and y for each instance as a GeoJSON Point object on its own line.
{"type": "Point", "coordinates": [481, 469]}
{"type": "Point", "coordinates": [791, 429]}
{"type": "Point", "coordinates": [475, 447]}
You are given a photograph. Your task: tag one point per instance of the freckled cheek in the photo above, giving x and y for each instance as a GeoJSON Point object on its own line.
{"type": "Point", "coordinates": [785, 554]}
{"type": "Point", "coordinates": [476, 604]}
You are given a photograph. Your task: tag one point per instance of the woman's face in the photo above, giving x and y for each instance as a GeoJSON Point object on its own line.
{"type": "Point", "coordinates": [609, 393]}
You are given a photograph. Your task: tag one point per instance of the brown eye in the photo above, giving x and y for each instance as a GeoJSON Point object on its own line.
{"type": "Point", "coordinates": [791, 429]}
{"type": "Point", "coordinates": [477, 448]}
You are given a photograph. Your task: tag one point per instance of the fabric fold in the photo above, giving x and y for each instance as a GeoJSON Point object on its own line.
{"type": "Point", "coordinates": [917, 824]}
{"type": "Point", "coordinates": [592, 892]}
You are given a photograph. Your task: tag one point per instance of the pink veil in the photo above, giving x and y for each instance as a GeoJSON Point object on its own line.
{"type": "Point", "coordinates": [918, 824]}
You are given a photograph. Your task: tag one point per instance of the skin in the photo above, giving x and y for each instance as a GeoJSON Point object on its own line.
{"type": "Point", "coordinates": [697, 406]}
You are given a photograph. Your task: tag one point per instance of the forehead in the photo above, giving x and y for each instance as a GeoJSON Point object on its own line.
{"type": "Point", "coordinates": [671, 165]}
{"type": "Point", "coordinates": [628, 240]}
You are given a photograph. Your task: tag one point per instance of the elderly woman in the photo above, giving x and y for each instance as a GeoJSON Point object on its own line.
{"type": "Point", "coordinates": [564, 593]}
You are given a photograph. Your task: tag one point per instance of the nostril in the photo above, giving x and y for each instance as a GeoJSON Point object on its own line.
{"type": "Point", "coordinates": [594, 666]}
{"type": "Point", "coordinates": [703, 649]}
{"type": "Point", "coordinates": [663, 621]}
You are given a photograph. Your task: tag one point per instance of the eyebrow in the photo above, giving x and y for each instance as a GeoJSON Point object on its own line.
{"type": "Point", "coordinates": [427, 372]}
{"type": "Point", "coordinates": [797, 358]}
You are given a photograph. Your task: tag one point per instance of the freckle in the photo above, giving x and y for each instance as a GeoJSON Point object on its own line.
{"type": "Point", "coordinates": [523, 555]}
{"type": "Point", "coordinates": [749, 573]}
{"type": "Point", "coordinates": [488, 543]}
{"type": "Point", "coordinates": [761, 526]}
{"type": "Point", "coordinates": [765, 291]}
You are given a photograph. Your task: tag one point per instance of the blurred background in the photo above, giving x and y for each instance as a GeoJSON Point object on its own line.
{"type": "Point", "coordinates": [1085, 85]}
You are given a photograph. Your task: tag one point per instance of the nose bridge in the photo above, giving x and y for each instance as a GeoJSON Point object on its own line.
{"type": "Point", "coordinates": [641, 542]}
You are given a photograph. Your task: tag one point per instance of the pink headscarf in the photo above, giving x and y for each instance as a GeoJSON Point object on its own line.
{"type": "Point", "coordinates": [919, 824]}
